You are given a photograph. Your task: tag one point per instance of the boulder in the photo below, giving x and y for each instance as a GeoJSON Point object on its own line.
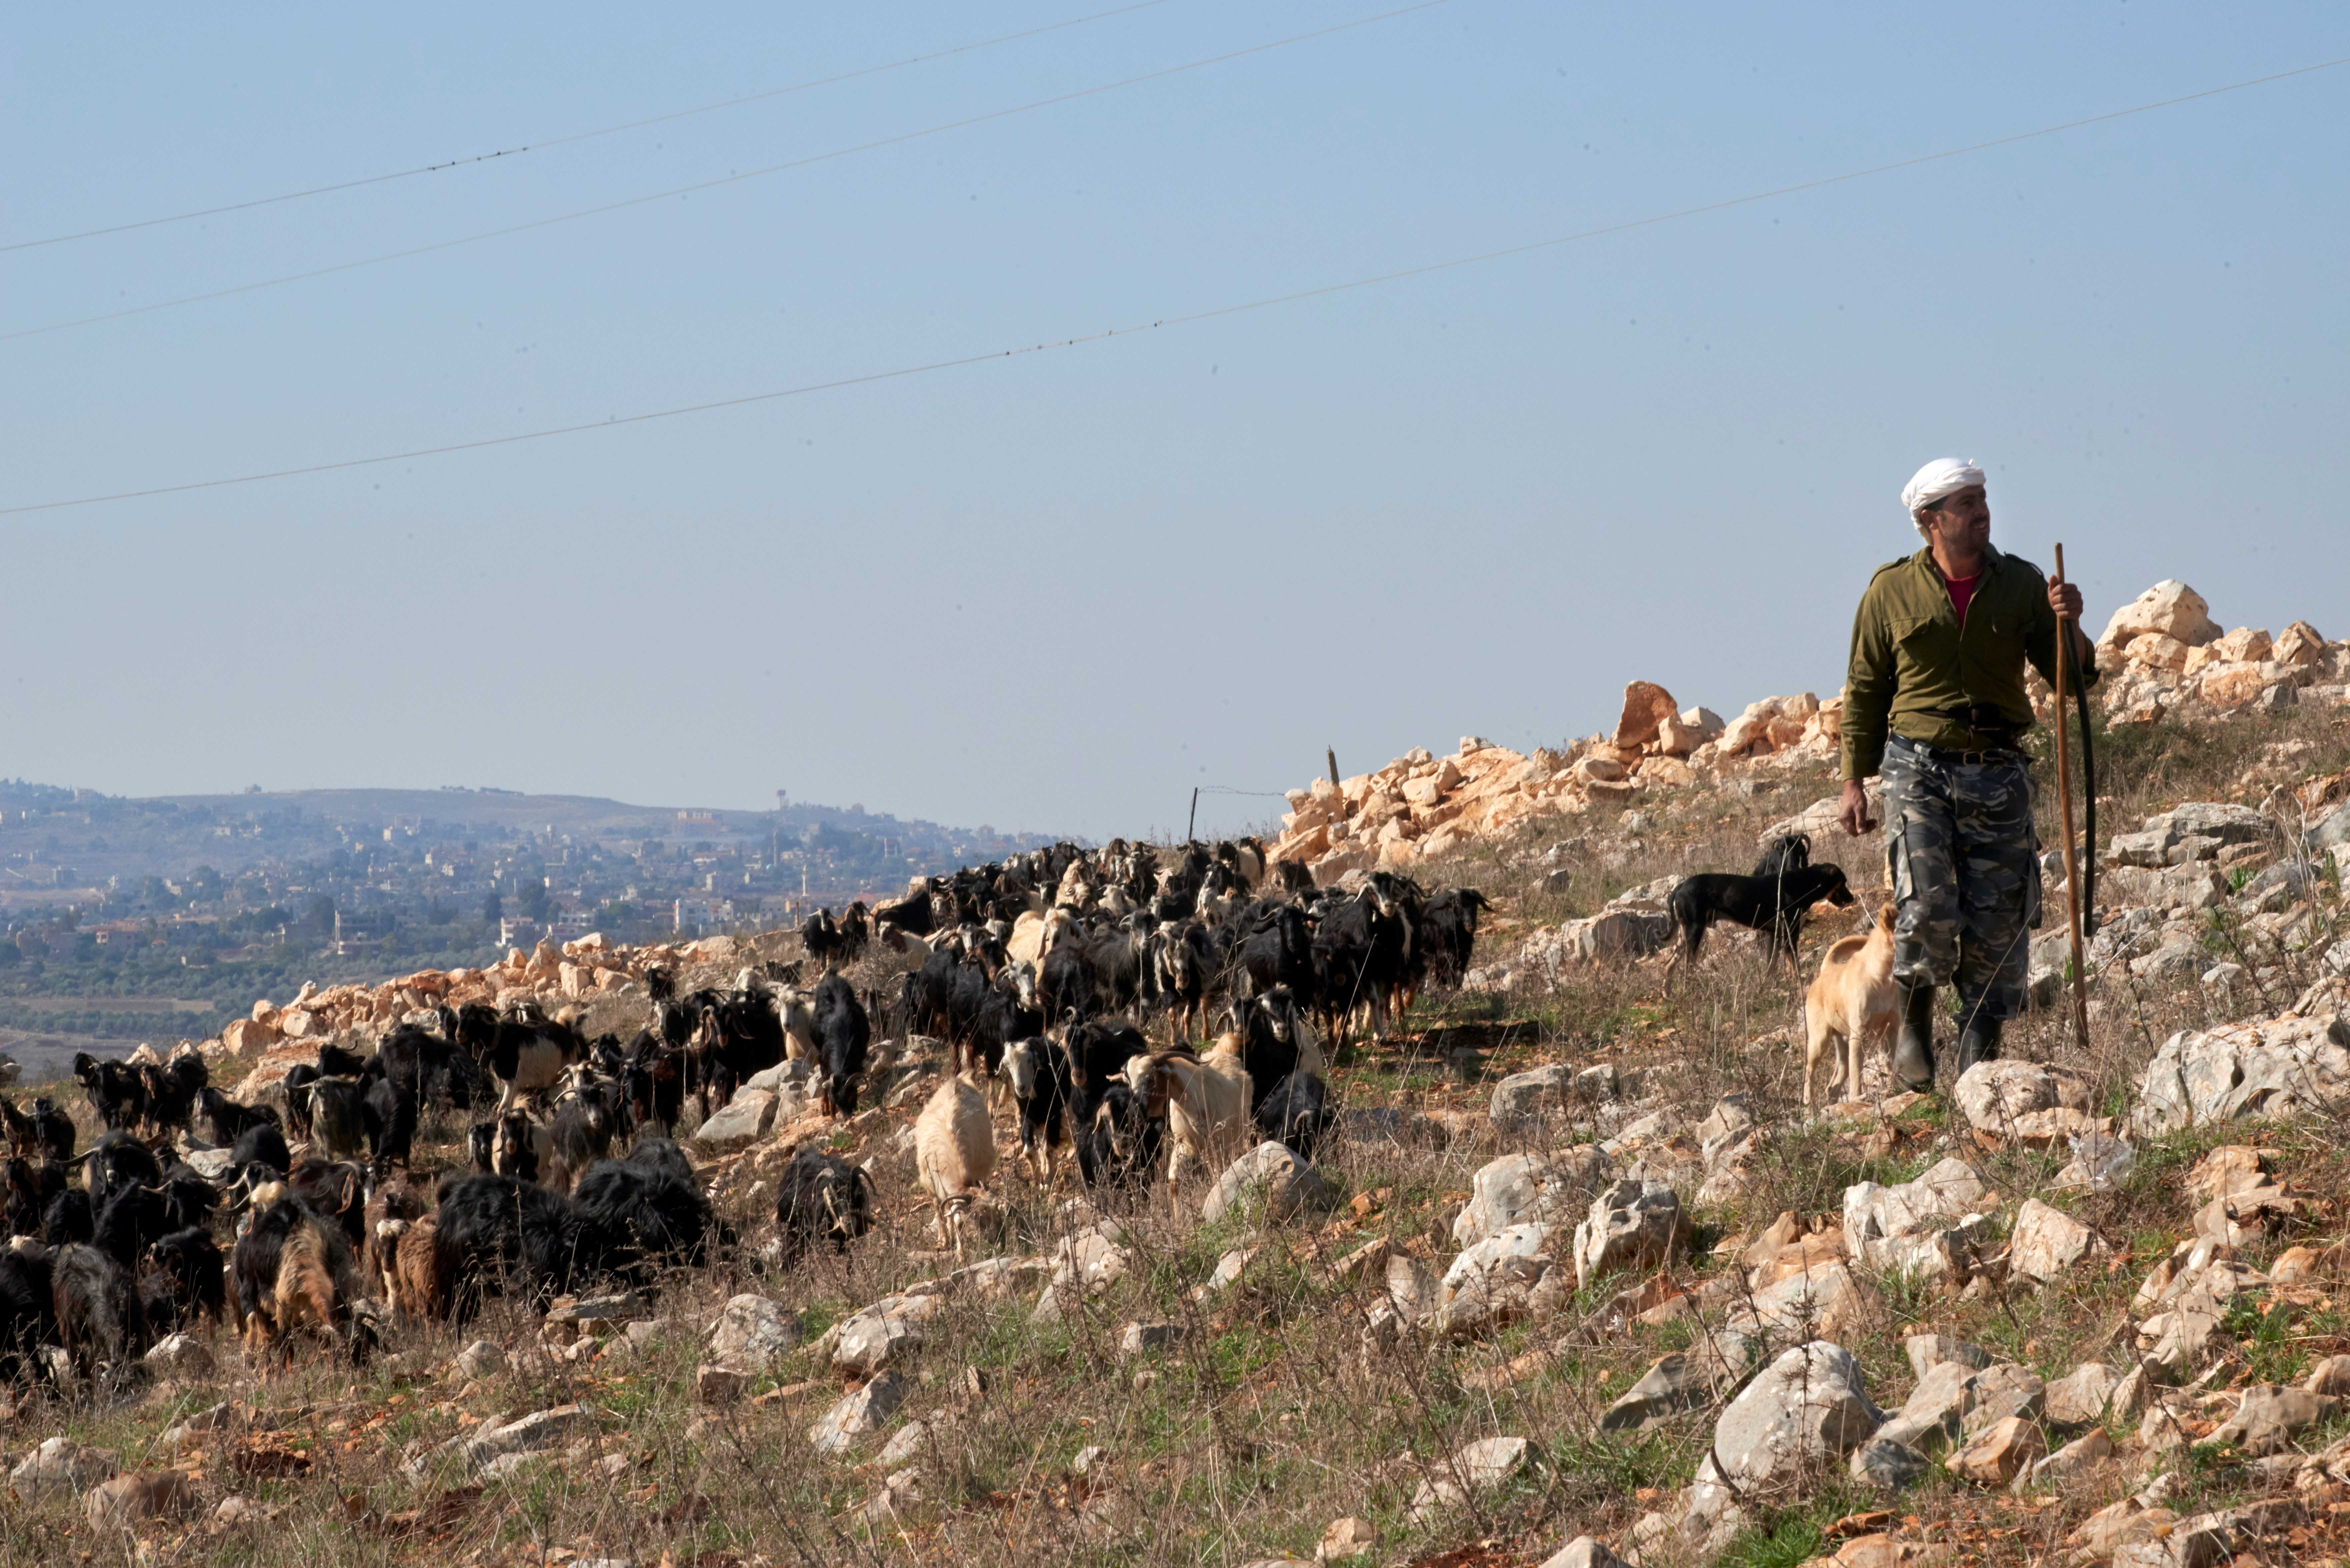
{"type": "Point", "coordinates": [1808, 1407]}
{"type": "Point", "coordinates": [743, 1120]}
{"type": "Point", "coordinates": [1647, 708]}
{"type": "Point", "coordinates": [1493, 1280]}
{"type": "Point", "coordinates": [1519, 1188]}
{"type": "Point", "coordinates": [2270, 1416]}
{"type": "Point", "coordinates": [1927, 1351]}
{"type": "Point", "coordinates": [1348, 1537]}
{"type": "Point", "coordinates": [1824, 1303]}
{"type": "Point", "coordinates": [2045, 1242]}
{"type": "Point", "coordinates": [58, 1467]}
{"type": "Point", "coordinates": [753, 1333]}
{"type": "Point", "coordinates": [858, 1415]}
{"type": "Point", "coordinates": [180, 1356]}
{"type": "Point", "coordinates": [2170, 609]}
{"type": "Point", "coordinates": [1583, 1552]}
{"type": "Point", "coordinates": [869, 1339]}
{"type": "Point", "coordinates": [1139, 1339]}
{"type": "Point", "coordinates": [1631, 1225]}
{"type": "Point", "coordinates": [1685, 1380]}
{"type": "Point", "coordinates": [1999, 1453]}
{"type": "Point", "coordinates": [1907, 1228]}
{"type": "Point", "coordinates": [2082, 1395]}
{"type": "Point", "coordinates": [1480, 1467]}
{"type": "Point", "coordinates": [1525, 1099]}
{"type": "Point", "coordinates": [1936, 1410]}
{"type": "Point", "coordinates": [2284, 1067]}
{"type": "Point", "coordinates": [1996, 1096]}
{"type": "Point", "coordinates": [2084, 1453]}
{"type": "Point", "coordinates": [1284, 1184]}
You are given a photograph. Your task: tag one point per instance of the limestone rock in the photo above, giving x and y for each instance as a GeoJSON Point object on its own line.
{"type": "Point", "coordinates": [2085, 1452]}
{"type": "Point", "coordinates": [1995, 1096]}
{"type": "Point", "coordinates": [1528, 1096]}
{"type": "Point", "coordinates": [1999, 1453]}
{"type": "Point", "coordinates": [2046, 1242]}
{"type": "Point", "coordinates": [1493, 1280]}
{"type": "Point", "coordinates": [1348, 1537]}
{"type": "Point", "coordinates": [877, 1336]}
{"type": "Point", "coordinates": [1583, 1552]}
{"type": "Point", "coordinates": [1144, 1338]}
{"type": "Point", "coordinates": [60, 1466]}
{"type": "Point", "coordinates": [742, 1120]}
{"type": "Point", "coordinates": [480, 1359]}
{"type": "Point", "coordinates": [2082, 1396]}
{"type": "Point", "coordinates": [1904, 1228]}
{"type": "Point", "coordinates": [1480, 1467]}
{"type": "Point", "coordinates": [753, 1333]}
{"type": "Point", "coordinates": [1927, 1351]}
{"type": "Point", "coordinates": [1883, 1463]}
{"type": "Point", "coordinates": [1521, 1188]}
{"type": "Point", "coordinates": [1647, 708]}
{"type": "Point", "coordinates": [2270, 1416]}
{"type": "Point", "coordinates": [2170, 609]}
{"type": "Point", "coordinates": [858, 1416]}
{"type": "Point", "coordinates": [1286, 1184]}
{"type": "Point", "coordinates": [1809, 1407]}
{"type": "Point", "coordinates": [1685, 1380]}
{"type": "Point", "coordinates": [2284, 1067]}
{"type": "Point", "coordinates": [1631, 1225]}
{"type": "Point", "coordinates": [180, 1356]}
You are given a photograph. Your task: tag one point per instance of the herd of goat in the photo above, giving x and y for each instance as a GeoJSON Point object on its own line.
{"type": "Point", "coordinates": [1042, 975]}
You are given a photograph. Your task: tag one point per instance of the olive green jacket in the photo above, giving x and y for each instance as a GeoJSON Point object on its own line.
{"type": "Point", "coordinates": [1916, 671]}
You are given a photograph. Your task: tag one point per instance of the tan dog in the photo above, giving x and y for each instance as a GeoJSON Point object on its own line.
{"type": "Point", "coordinates": [1852, 1001]}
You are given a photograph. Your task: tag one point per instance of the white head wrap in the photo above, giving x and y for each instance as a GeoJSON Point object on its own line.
{"type": "Point", "coordinates": [1942, 477]}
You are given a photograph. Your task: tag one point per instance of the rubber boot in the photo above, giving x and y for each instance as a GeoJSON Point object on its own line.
{"type": "Point", "coordinates": [1913, 1051]}
{"type": "Point", "coordinates": [1978, 1042]}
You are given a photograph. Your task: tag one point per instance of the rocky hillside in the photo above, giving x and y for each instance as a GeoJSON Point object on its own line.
{"type": "Point", "coordinates": [2164, 656]}
{"type": "Point", "coordinates": [1574, 1278]}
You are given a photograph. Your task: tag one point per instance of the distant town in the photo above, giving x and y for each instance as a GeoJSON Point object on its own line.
{"type": "Point", "coordinates": [131, 919]}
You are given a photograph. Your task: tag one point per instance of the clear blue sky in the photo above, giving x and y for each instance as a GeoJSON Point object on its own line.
{"type": "Point", "coordinates": [1056, 591]}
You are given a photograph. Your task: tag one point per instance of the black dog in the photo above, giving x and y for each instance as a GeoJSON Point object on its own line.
{"type": "Point", "coordinates": [1774, 905]}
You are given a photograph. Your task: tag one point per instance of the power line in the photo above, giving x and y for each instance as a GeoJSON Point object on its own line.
{"type": "Point", "coordinates": [724, 180]}
{"type": "Point", "coordinates": [576, 136]}
{"type": "Point", "coordinates": [1264, 302]}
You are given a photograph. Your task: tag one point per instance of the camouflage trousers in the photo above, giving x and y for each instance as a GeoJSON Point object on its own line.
{"type": "Point", "coordinates": [1965, 865]}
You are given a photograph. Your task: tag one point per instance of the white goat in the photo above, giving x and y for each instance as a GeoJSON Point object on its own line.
{"type": "Point", "coordinates": [955, 1153]}
{"type": "Point", "coordinates": [1206, 1099]}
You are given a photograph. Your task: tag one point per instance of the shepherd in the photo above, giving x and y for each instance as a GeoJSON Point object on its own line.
{"type": "Point", "coordinates": [1934, 700]}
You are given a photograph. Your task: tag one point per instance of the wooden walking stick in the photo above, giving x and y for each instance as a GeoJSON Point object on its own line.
{"type": "Point", "coordinates": [2065, 794]}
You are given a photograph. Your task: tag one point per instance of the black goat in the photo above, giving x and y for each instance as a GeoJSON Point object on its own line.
{"type": "Point", "coordinates": [498, 1234]}
{"type": "Point", "coordinates": [98, 1318]}
{"type": "Point", "coordinates": [130, 1221]}
{"type": "Point", "coordinates": [643, 1218]}
{"type": "Point", "coordinates": [262, 1143]}
{"type": "Point", "coordinates": [338, 1116]}
{"type": "Point", "coordinates": [843, 1033]}
{"type": "Point", "coordinates": [225, 1120]}
{"type": "Point", "coordinates": [1119, 1147]}
{"type": "Point", "coordinates": [1448, 933]}
{"type": "Point", "coordinates": [820, 1197]}
{"type": "Point", "coordinates": [294, 1270]}
{"type": "Point", "coordinates": [1274, 1042]}
{"type": "Point", "coordinates": [1774, 905]}
{"type": "Point", "coordinates": [186, 1280]}
{"type": "Point", "coordinates": [52, 1129]}
{"type": "Point", "coordinates": [1038, 1071]}
{"type": "Point", "coordinates": [333, 1191]}
{"type": "Point", "coordinates": [1275, 946]}
{"type": "Point", "coordinates": [32, 1186]}
{"type": "Point", "coordinates": [28, 1311]}
{"type": "Point", "coordinates": [296, 1086]}
{"type": "Point", "coordinates": [117, 1091]}
{"type": "Point", "coordinates": [1296, 1112]}
{"type": "Point", "coordinates": [115, 1161]}
{"type": "Point", "coordinates": [171, 1090]}
{"type": "Point", "coordinates": [69, 1218]}
{"type": "Point", "coordinates": [388, 1113]}
{"type": "Point", "coordinates": [660, 1154]}
{"type": "Point", "coordinates": [586, 1117]}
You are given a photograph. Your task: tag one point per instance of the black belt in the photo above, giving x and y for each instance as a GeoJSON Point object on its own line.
{"type": "Point", "coordinates": [1941, 758]}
